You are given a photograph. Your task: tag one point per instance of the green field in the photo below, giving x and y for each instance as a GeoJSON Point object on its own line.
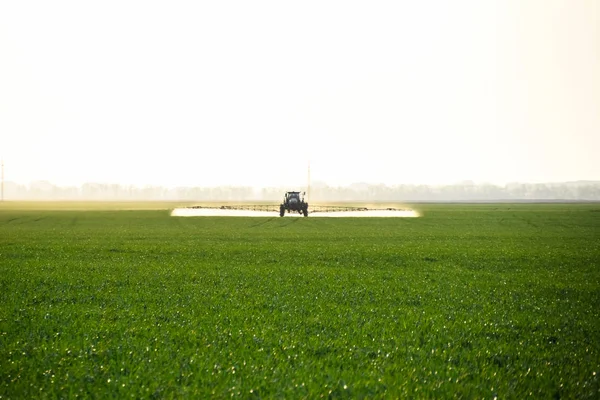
{"type": "Point", "coordinates": [471, 301]}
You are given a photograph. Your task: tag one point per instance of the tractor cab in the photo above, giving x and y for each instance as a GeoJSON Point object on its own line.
{"type": "Point", "coordinates": [292, 197]}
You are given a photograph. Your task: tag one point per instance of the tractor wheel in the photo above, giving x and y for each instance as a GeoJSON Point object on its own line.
{"type": "Point", "coordinates": [281, 211]}
{"type": "Point", "coordinates": [305, 211]}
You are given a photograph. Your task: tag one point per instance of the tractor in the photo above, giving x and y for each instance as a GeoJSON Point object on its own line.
{"type": "Point", "coordinates": [293, 202]}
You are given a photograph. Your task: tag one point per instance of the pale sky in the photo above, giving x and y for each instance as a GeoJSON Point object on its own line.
{"type": "Point", "coordinates": [207, 93]}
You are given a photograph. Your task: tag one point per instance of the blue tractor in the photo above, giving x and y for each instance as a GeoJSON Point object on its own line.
{"type": "Point", "coordinates": [293, 202]}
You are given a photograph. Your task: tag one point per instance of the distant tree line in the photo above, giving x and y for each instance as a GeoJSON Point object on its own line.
{"type": "Point", "coordinates": [361, 192]}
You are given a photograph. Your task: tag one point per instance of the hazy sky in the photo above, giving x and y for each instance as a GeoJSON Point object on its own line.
{"type": "Point", "coordinates": [247, 92]}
